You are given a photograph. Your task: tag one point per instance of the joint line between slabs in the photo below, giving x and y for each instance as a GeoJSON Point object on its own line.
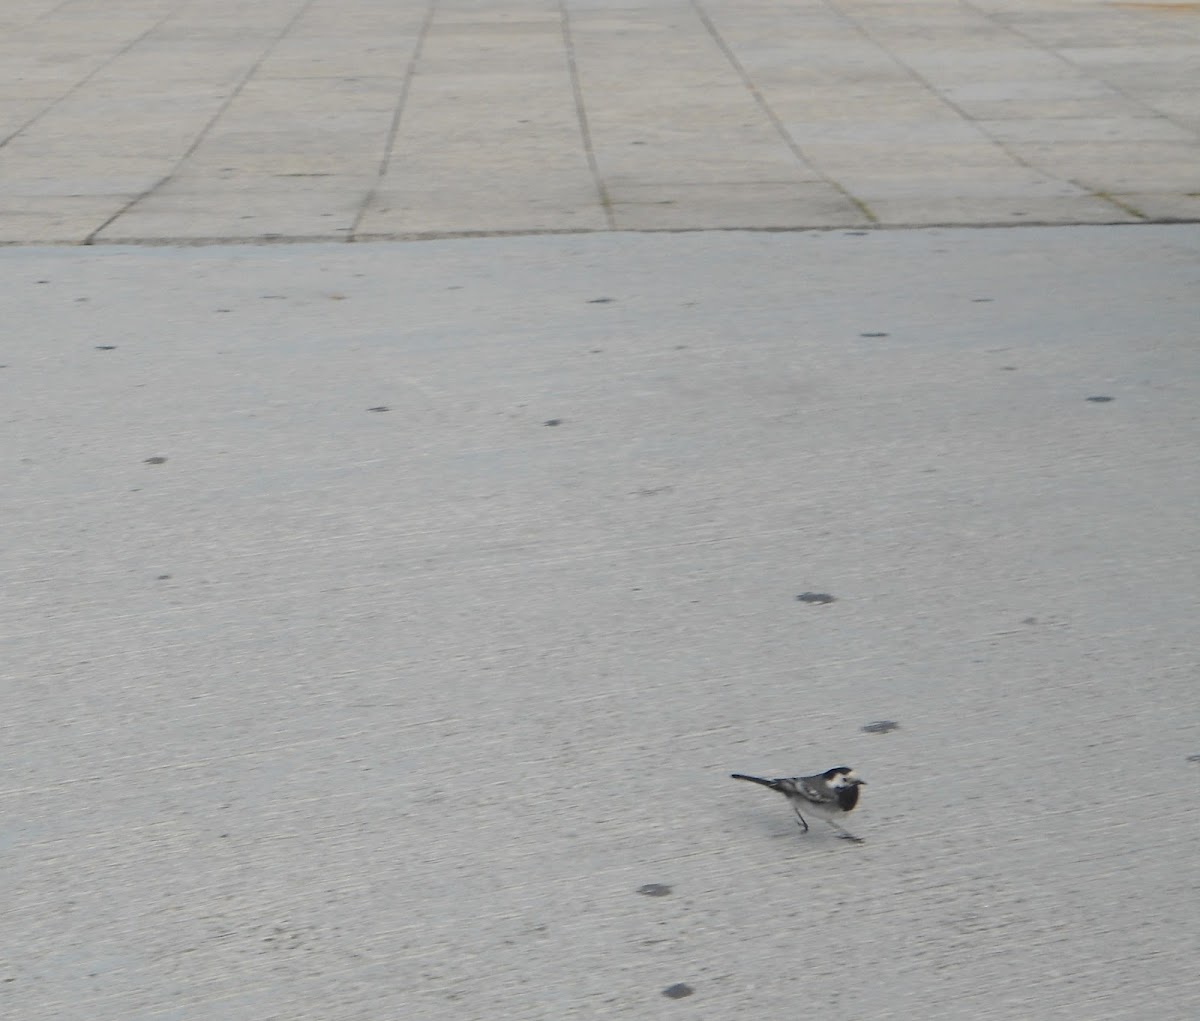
{"type": "Point", "coordinates": [88, 77]}
{"type": "Point", "coordinates": [212, 121]}
{"type": "Point", "coordinates": [933, 90]}
{"type": "Point", "coordinates": [770, 114]}
{"type": "Point", "coordinates": [397, 117]}
{"type": "Point", "coordinates": [1057, 54]}
{"type": "Point", "coordinates": [585, 131]}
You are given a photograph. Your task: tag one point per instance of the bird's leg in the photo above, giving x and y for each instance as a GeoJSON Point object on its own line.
{"type": "Point", "coordinates": [803, 824]}
{"type": "Point", "coordinates": [845, 834]}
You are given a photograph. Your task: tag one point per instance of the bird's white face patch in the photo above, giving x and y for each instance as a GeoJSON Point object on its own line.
{"type": "Point", "coordinates": [841, 780]}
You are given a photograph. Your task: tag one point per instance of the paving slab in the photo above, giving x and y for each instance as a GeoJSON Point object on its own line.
{"type": "Point", "coordinates": [469, 116]}
{"type": "Point", "coordinates": [382, 623]}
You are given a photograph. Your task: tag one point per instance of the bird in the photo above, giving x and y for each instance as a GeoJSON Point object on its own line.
{"type": "Point", "coordinates": [829, 795]}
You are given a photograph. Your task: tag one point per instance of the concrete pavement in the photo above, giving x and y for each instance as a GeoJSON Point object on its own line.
{"type": "Point", "coordinates": [361, 119]}
{"type": "Point", "coordinates": [380, 619]}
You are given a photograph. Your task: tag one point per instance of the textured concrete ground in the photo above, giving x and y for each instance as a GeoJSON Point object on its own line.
{"type": "Point", "coordinates": [381, 620]}
{"type": "Point", "coordinates": [340, 119]}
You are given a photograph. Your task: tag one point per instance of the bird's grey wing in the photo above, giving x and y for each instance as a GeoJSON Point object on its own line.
{"type": "Point", "coordinates": [810, 789]}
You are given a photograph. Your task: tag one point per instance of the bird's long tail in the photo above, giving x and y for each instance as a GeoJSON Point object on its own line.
{"type": "Point", "coordinates": [774, 785]}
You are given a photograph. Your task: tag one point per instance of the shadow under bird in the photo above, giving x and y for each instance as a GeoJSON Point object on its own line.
{"type": "Point", "coordinates": [829, 795]}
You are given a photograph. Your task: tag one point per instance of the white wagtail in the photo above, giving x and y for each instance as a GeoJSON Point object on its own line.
{"type": "Point", "coordinates": [828, 795]}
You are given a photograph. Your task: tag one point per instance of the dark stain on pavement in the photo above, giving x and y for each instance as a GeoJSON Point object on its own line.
{"type": "Point", "coordinates": [654, 890]}
{"type": "Point", "coordinates": [1099, 399]}
{"type": "Point", "coordinates": [155, 460]}
{"type": "Point", "coordinates": [678, 991]}
{"type": "Point", "coordinates": [881, 727]}
{"type": "Point", "coordinates": [820, 598]}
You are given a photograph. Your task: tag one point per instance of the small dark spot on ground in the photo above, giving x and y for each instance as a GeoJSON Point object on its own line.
{"type": "Point", "coordinates": [1193, 758]}
{"type": "Point", "coordinates": [1029, 620]}
{"type": "Point", "coordinates": [276, 297]}
{"type": "Point", "coordinates": [654, 890]}
{"type": "Point", "coordinates": [855, 234]}
{"type": "Point", "coordinates": [680, 347]}
{"type": "Point", "coordinates": [978, 300]}
{"type": "Point", "coordinates": [1099, 399]}
{"type": "Point", "coordinates": [223, 310]}
{"type": "Point", "coordinates": [816, 597]}
{"type": "Point", "coordinates": [653, 491]}
{"type": "Point", "coordinates": [600, 301]}
{"type": "Point", "coordinates": [41, 281]}
{"type": "Point", "coordinates": [380, 407]}
{"type": "Point", "coordinates": [83, 299]}
{"type": "Point", "coordinates": [155, 460]}
{"type": "Point", "coordinates": [678, 991]}
{"type": "Point", "coordinates": [164, 577]}
{"type": "Point", "coordinates": [881, 727]}
{"type": "Point", "coordinates": [1009, 368]}
{"type": "Point", "coordinates": [553, 421]}
{"type": "Point", "coordinates": [874, 334]}
{"type": "Point", "coordinates": [106, 347]}
{"type": "Point", "coordinates": [597, 351]}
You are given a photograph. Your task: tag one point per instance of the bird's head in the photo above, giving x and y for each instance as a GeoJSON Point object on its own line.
{"type": "Point", "coordinates": [842, 776]}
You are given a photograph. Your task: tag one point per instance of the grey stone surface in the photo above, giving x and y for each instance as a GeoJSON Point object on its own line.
{"type": "Point", "coordinates": [367, 119]}
{"type": "Point", "coordinates": [318, 711]}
